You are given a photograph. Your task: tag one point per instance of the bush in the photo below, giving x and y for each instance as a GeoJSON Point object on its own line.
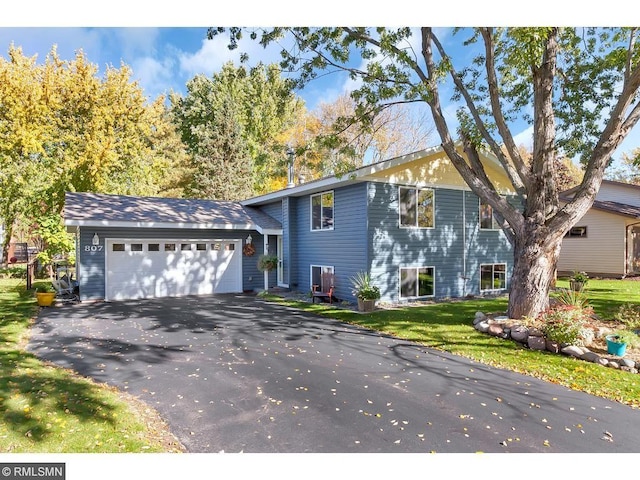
{"type": "Point", "coordinates": [565, 324]}
{"type": "Point", "coordinates": [572, 298]}
{"type": "Point", "coordinates": [629, 315]}
{"type": "Point", "coordinates": [13, 272]}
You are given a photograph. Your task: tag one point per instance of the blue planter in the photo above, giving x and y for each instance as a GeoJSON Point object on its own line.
{"type": "Point", "coordinates": [615, 348]}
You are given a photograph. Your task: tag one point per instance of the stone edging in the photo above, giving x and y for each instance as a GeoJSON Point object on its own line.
{"type": "Point", "coordinates": [534, 339]}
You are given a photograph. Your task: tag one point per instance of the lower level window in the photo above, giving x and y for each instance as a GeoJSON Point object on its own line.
{"type": "Point", "coordinates": [321, 276]}
{"type": "Point", "coordinates": [493, 277]}
{"type": "Point", "coordinates": [416, 282]}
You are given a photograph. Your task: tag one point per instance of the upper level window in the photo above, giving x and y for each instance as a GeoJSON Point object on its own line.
{"type": "Point", "coordinates": [577, 232]}
{"type": "Point", "coordinates": [416, 207]}
{"type": "Point", "coordinates": [322, 211]}
{"type": "Point", "coordinates": [487, 220]}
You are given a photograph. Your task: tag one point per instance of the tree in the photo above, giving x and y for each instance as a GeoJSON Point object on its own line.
{"type": "Point", "coordinates": [390, 133]}
{"type": "Point", "coordinates": [64, 128]}
{"type": "Point", "coordinates": [577, 87]}
{"type": "Point", "coordinates": [265, 108]}
{"type": "Point", "coordinates": [208, 122]}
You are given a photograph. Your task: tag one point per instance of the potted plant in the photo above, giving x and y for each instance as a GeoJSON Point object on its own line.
{"type": "Point", "coordinates": [365, 291]}
{"type": "Point", "coordinates": [618, 341]}
{"type": "Point", "coordinates": [578, 281]}
{"type": "Point", "coordinates": [45, 294]}
{"type": "Point", "coordinates": [266, 263]}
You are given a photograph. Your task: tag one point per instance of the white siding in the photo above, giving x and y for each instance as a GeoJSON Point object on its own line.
{"type": "Point", "coordinates": [602, 251]}
{"type": "Point", "coordinates": [615, 192]}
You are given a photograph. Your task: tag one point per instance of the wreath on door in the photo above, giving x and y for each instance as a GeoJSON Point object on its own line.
{"type": "Point", "coordinates": [249, 249]}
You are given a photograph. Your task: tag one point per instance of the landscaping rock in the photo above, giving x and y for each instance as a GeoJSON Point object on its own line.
{"type": "Point", "coordinates": [482, 326]}
{"type": "Point", "coordinates": [550, 345]}
{"type": "Point", "coordinates": [590, 357]}
{"type": "Point", "coordinates": [536, 343]}
{"type": "Point", "coordinates": [520, 333]}
{"type": "Point", "coordinates": [630, 370]}
{"type": "Point", "coordinates": [495, 329]}
{"type": "Point", "coordinates": [627, 362]}
{"type": "Point", "coordinates": [535, 332]}
{"type": "Point", "coordinates": [573, 351]}
{"type": "Point", "coordinates": [613, 364]}
{"type": "Point", "coordinates": [479, 318]}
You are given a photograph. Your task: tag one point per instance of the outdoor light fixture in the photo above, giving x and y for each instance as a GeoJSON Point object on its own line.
{"type": "Point", "coordinates": [95, 240]}
{"type": "Point", "coordinates": [249, 239]}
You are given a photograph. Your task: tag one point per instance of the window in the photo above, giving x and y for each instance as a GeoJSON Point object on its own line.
{"type": "Point", "coordinates": [136, 247]}
{"type": "Point", "coordinates": [185, 246]}
{"type": "Point", "coordinates": [577, 232]}
{"type": "Point", "coordinates": [201, 247]}
{"type": "Point", "coordinates": [487, 220]}
{"type": "Point", "coordinates": [322, 211]}
{"type": "Point", "coordinates": [215, 246]}
{"type": "Point", "coordinates": [117, 247]}
{"type": "Point", "coordinates": [230, 247]}
{"type": "Point", "coordinates": [493, 277]}
{"type": "Point", "coordinates": [154, 247]}
{"type": "Point", "coordinates": [169, 247]}
{"type": "Point", "coordinates": [416, 207]}
{"type": "Point", "coordinates": [416, 282]}
{"type": "Point", "coordinates": [317, 274]}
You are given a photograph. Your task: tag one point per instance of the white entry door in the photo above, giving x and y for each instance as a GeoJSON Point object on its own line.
{"type": "Point", "coordinates": [170, 268]}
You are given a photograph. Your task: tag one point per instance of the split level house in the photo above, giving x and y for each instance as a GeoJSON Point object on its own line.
{"type": "Point", "coordinates": [606, 240]}
{"type": "Point", "coordinates": [410, 222]}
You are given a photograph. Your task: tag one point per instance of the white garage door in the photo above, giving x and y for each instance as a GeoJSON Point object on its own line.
{"type": "Point", "coordinates": [171, 268]}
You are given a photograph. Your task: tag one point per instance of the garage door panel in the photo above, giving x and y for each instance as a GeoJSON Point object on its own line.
{"type": "Point", "coordinates": [172, 268]}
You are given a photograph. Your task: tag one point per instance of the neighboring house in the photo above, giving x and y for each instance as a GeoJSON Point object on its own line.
{"type": "Point", "coordinates": [606, 240]}
{"type": "Point", "coordinates": [411, 222]}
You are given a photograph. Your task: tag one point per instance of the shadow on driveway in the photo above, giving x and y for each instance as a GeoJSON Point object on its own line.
{"type": "Point", "coordinates": [234, 373]}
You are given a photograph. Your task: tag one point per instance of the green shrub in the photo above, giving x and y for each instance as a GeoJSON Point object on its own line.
{"type": "Point", "coordinates": [564, 324]}
{"type": "Point", "coordinates": [629, 315]}
{"type": "Point", "coordinates": [572, 298]}
{"type": "Point", "coordinates": [13, 272]}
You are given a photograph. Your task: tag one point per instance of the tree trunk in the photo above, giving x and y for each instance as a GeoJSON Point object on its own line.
{"type": "Point", "coordinates": [535, 260]}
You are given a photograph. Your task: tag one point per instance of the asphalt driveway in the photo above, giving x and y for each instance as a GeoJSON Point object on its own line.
{"type": "Point", "coordinates": [233, 373]}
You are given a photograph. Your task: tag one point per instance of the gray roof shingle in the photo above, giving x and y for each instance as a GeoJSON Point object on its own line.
{"type": "Point", "coordinates": [89, 208]}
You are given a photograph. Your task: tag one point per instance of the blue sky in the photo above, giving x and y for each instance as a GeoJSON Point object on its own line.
{"type": "Point", "coordinates": [165, 42]}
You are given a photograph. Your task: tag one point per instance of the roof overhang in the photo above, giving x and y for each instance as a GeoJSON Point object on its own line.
{"type": "Point", "coordinates": [73, 224]}
{"type": "Point", "coordinates": [362, 174]}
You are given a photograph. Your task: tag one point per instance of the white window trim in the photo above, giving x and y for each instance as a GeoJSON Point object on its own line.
{"type": "Point", "coordinates": [311, 267]}
{"type": "Point", "coordinates": [492, 265]}
{"type": "Point", "coordinates": [416, 227]}
{"type": "Point", "coordinates": [415, 267]}
{"type": "Point", "coordinates": [320, 194]}
{"type": "Point", "coordinates": [494, 223]}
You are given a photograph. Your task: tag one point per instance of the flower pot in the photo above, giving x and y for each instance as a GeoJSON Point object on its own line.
{"type": "Point", "coordinates": [45, 299]}
{"type": "Point", "coordinates": [365, 305]}
{"type": "Point", "coordinates": [615, 348]}
{"type": "Point", "coordinates": [576, 286]}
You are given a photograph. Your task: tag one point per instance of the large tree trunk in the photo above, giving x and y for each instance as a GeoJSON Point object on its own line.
{"type": "Point", "coordinates": [535, 259]}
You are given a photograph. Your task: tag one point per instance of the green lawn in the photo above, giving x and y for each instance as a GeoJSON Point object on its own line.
{"type": "Point", "coordinates": [50, 410]}
{"type": "Point", "coordinates": [449, 326]}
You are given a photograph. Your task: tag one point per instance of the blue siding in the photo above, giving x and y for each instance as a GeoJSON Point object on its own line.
{"type": "Point", "coordinates": [344, 247]}
{"type": "Point", "coordinates": [91, 264]}
{"type": "Point", "coordinates": [274, 210]}
{"type": "Point", "coordinates": [455, 247]}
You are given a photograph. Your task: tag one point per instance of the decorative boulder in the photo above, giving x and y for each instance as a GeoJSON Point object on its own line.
{"type": "Point", "coordinates": [550, 345]}
{"type": "Point", "coordinates": [536, 343]}
{"type": "Point", "coordinates": [573, 351]}
{"type": "Point", "coordinates": [520, 333]}
{"type": "Point", "coordinates": [482, 326]}
{"type": "Point", "coordinates": [495, 329]}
